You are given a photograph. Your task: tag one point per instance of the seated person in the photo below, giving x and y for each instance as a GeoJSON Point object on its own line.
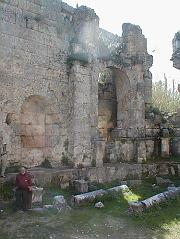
{"type": "Point", "coordinates": [23, 190]}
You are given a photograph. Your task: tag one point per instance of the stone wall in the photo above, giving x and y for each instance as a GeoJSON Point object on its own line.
{"type": "Point", "coordinates": [176, 51]}
{"type": "Point", "coordinates": [124, 97]}
{"type": "Point", "coordinates": [176, 118]}
{"type": "Point", "coordinates": [107, 173]}
{"type": "Point", "coordinates": [71, 92]}
{"type": "Point", "coordinates": [34, 82]}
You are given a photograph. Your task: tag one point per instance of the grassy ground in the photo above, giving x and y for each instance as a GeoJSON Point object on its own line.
{"type": "Point", "coordinates": [87, 222]}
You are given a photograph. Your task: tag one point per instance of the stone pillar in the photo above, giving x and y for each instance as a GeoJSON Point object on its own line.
{"type": "Point", "coordinates": [37, 194]}
{"type": "Point", "coordinates": [176, 51]}
{"type": "Point", "coordinates": [100, 152]}
{"type": "Point", "coordinates": [86, 27]}
{"type": "Point", "coordinates": [133, 82]}
{"type": "Point", "coordinates": [141, 151]}
{"type": "Point", "coordinates": [164, 147]}
{"type": "Point", "coordinates": [176, 135]}
{"type": "Point", "coordinates": [81, 186]}
{"type": "Point", "coordinates": [85, 111]}
{"type": "Point", "coordinates": [83, 78]}
{"type": "Point", "coordinates": [165, 143]}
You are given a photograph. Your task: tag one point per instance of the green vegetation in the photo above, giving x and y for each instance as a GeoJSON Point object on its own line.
{"type": "Point", "coordinates": [93, 162]}
{"type": "Point", "coordinates": [116, 204]}
{"type": "Point", "coordinates": [46, 163]}
{"type": "Point", "coordinates": [175, 158]}
{"type": "Point", "coordinates": [6, 191]}
{"type": "Point", "coordinates": [81, 57]}
{"type": "Point", "coordinates": [52, 190]}
{"type": "Point", "coordinates": [65, 159]}
{"type": "Point", "coordinates": [88, 222]}
{"type": "Point", "coordinates": [164, 214]}
{"type": "Point", "coordinates": [66, 145]}
{"type": "Point", "coordinates": [165, 100]}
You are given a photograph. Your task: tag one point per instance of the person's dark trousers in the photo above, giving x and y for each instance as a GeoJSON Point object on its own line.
{"type": "Point", "coordinates": [23, 199]}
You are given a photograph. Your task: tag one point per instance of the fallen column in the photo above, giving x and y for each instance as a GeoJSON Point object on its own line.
{"type": "Point", "coordinates": [118, 188]}
{"type": "Point", "coordinates": [152, 201]}
{"type": "Point", "coordinates": [87, 197]}
{"type": "Point", "coordinates": [90, 196]}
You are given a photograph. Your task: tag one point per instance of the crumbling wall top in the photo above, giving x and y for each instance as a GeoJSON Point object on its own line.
{"type": "Point", "coordinates": [176, 50]}
{"type": "Point", "coordinates": [85, 13]}
{"type": "Point", "coordinates": [128, 27]}
{"type": "Point", "coordinates": [67, 8]}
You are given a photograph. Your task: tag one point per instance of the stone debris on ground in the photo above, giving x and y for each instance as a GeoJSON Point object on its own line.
{"type": "Point", "coordinates": [99, 205]}
{"type": "Point", "coordinates": [163, 182]}
{"type": "Point", "coordinates": [81, 186]}
{"type": "Point", "coordinates": [172, 188]}
{"type": "Point", "coordinates": [90, 196]}
{"type": "Point", "coordinates": [37, 193]}
{"type": "Point", "coordinates": [38, 209]}
{"type": "Point", "coordinates": [139, 207]}
{"type": "Point", "coordinates": [50, 206]}
{"type": "Point", "coordinates": [60, 203]}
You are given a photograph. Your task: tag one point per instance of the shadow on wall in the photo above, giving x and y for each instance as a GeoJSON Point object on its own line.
{"type": "Point", "coordinates": [114, 97]}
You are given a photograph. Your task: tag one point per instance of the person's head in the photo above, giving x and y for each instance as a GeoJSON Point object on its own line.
{"type": "Point", "coordinates": [22, 170]}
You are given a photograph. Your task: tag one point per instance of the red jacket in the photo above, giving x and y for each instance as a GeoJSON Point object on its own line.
{"type": "Point", "coordinates": [23, 181]}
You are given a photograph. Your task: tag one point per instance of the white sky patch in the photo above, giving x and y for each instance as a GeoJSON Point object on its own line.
{"type": "Point", "coordinates": [159, 20]}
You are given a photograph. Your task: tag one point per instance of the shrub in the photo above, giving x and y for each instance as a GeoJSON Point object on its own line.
{"type": "Point", "coordinates": [163, 99]}
{"type": "Point", "coordinates": [46, 163]}
{"type": "Point", "coordinates": [6, 191]}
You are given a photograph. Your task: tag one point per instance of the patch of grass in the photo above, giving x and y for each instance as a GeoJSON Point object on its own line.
{"type": "Point", "coordinates": [88, 221]}
{"type": "Point", "coordinates": [96, 186]}
{"type": "Point", "coordinates": [51, 191]}
{"type": "Point", "coordinates": [175, 158]}
{"type": "Point", "coordinates": [6, 191]}
{"type": "Point", "coordinates": [157, 217]}
{"type": "Point", "coordinates": [66, 161]}
{"type": "Point", "coordinates": [161, 215]}
{"type": "Point", "coordinates": [93, 162]}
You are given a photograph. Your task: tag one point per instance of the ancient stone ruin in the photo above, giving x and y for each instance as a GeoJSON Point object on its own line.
{"type": "Point", "coordinates": [176, 64]}
{"type": "Point", "coordinates": [72, 93]}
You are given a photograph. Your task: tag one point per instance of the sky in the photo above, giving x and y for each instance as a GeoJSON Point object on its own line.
{"type": "Point", "coordinates": [159, 20]}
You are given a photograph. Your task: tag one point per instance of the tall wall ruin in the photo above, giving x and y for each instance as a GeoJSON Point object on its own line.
{"type": "Point", "coordinates": [176, 121]}
{"type": "Point", "coordinates": [71, 92]}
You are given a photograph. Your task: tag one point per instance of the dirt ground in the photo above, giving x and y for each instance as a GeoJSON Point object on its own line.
{"type": "Point", "coordinates": [88, 222]}
{"type": "Point", "coordinates": [82, 223]}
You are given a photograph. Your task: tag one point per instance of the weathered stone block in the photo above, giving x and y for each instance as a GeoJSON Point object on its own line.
{"type": "Point", "coordinates": [81, 186]}
{"type": "Point", "coordinates": [165, 147]}
{"type": "Point", "coordinates": [37, 194]}
{"type": "Point", "coordinates": [141, 152]}
{"type": "Point", "coordinates": [100, 152]}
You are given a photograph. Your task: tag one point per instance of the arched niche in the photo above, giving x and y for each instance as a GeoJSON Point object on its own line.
{"type": "Point", "coordinates": [33, 114]}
